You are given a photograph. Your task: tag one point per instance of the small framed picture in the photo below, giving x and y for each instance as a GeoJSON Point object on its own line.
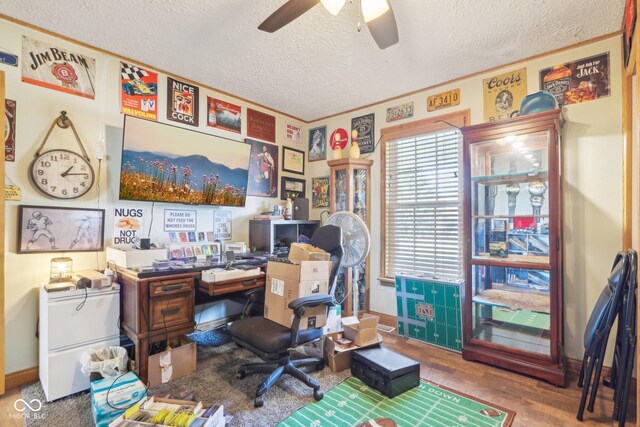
{"type": "Point", "coordinates": [215, 248]}
{"type": "Point", "coordinates": [197, 250]}
{"type": "Point", "coordinates": [188, 252]}
{"type": "Point", "coordinates": [318, 144]}
{"type": "Point", "coordinates": [55, 229]}
{"type": "Point", "coordinates": [290, 188]}
{"type": "Point", "coordinates": [177, 252]}
{"type": "Point", "coordinates": [292, 160]}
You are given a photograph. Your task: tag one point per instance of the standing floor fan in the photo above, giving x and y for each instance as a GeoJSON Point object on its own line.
{"type": "Point", "coordinates": [356, 243]}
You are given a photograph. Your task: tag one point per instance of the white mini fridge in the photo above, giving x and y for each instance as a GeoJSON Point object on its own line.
{"type": "Point", "coordinates": [69, 325]}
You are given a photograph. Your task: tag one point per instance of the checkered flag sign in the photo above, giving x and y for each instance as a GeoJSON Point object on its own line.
{"type": "Point", "coordinates": [131, 72]}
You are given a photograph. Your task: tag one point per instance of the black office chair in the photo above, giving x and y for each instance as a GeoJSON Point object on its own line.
{"type": "Point", "coordinates": [597, 331]}
{"type": "Point", "coordinates": [273, 342]}
{"type": "Point", "coordinates": [624, 356]}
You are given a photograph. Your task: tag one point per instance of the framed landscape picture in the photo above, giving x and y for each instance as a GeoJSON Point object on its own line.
{"type": "Point", "coordinates": [55, 229]}
{"type": "Point", "coordinates": [290, 188]}
{"type": "Point", "coordinates": [292, 160]}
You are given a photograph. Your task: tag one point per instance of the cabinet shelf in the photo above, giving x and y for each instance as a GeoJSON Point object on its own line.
{"type": "Point", "coordinates": [513, 178]}
{"type": "Point", "coordinates": [510, 216]}
{"type": "Point", "coordinates": [536, 261]}
{"type": "Point", "coordinates": [534, 302]}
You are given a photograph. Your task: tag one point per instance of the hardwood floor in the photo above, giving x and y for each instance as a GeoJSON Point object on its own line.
{"type": "Point", "coordinates": [535, 402]}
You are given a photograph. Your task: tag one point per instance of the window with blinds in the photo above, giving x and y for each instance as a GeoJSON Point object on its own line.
{"type": "Point", "coordinates": [423, 196]}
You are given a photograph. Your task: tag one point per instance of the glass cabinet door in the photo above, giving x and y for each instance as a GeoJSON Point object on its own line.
{"type": "Point", "coordinates": [360, 208]}
{"type": "Point", "coordinates": [510, 242]}
{"type": "Point", "coordinates": [340, 192]}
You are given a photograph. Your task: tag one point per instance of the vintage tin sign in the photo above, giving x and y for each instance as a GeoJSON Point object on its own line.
{"type": "Point", "coordinates": [57, 68]}
{"type": "Point", "coordinates": [400, 112]}
{"type": "Point", "coordinates": [503, 94]}
{"type": "Point", "coordinates": [442, 100]}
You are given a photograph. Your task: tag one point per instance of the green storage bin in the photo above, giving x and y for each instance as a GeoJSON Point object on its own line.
{"type": "Point", "coordinates": [430, 310]}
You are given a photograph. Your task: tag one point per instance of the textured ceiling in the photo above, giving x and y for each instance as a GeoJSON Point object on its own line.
{"type": "Point", "coordinates": [319, 64]}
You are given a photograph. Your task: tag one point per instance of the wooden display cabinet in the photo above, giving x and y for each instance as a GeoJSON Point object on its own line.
{"type": "Point", "coordinates": [513, 308]}
{"type": "Point", "coordinates": [350, 184]}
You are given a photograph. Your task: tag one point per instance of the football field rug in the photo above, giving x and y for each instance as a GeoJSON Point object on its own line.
{"type": "Point", "coordinates": [352, 403]}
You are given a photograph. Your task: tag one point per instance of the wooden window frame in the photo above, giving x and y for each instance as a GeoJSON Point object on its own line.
{"type": "Point", "coordinates": [457, 119]}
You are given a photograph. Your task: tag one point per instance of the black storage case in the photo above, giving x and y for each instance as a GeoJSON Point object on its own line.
{"type": "Point", "coordinates": [388, 372]}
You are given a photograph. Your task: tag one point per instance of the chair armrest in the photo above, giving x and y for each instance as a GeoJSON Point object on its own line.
{"type": "Point", "coordinates": [299, 306]}
{"type": "Point", "coordinates": [312, 301]}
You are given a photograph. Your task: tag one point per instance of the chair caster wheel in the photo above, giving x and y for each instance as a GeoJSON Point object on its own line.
{"type": "Point", "coordinates": [241, 374]}
{"type": "Point", "coordinates": [320, 366]}
{"type": "Point", "coordinates": [258, 401]}
{"type": "Point", "coordinates": [318, 394]}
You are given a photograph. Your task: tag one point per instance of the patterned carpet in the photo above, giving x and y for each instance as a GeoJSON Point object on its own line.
{"type": "Point", "coordinates": [213, 382]}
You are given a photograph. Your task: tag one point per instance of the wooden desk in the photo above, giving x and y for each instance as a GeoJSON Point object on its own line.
{"type": "Point", "coordinates": [156, 307]}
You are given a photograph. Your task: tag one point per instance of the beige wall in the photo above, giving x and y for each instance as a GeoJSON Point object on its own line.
{"type": "Point", "coordinates": [99, 123]}
{"type": "Point", "coordinates": [592, 182]}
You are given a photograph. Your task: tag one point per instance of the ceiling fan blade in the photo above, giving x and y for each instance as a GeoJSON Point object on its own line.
{"type": "Point", "coordinates": [384, 29]}
{"type": "Point", "coordinates": [286, 13]}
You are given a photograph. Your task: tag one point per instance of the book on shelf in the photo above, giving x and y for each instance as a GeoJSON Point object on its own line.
{"type": "Point", "coordinates": [498, 238]}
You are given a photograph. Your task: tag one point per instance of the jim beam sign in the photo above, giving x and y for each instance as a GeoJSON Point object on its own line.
{"type": "Point", "coordinates": [58, 68]}
{"type": "Point", "coordinates": [182, 102]}
{"type": "Point", "coordinates": [503, 94]}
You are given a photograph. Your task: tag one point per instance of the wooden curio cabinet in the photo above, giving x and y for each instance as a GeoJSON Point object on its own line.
{"type": "Point", "coordinates": [513, 308]}
{"type": "Point", "coordinates": [350, 184]}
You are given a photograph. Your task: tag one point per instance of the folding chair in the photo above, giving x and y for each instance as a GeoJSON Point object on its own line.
{"type": "Point", "coordinates": [597, 331]}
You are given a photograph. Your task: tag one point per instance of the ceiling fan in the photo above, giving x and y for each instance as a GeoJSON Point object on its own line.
{"type": "Point", "coordinates": [377, 14]}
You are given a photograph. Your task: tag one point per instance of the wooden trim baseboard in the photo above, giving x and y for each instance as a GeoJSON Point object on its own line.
{"type": "Point", "coordinates": [20, 378]}
{"type": "Point", "coordinates": [386, 319]}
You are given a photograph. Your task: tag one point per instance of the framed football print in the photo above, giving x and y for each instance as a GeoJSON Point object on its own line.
{"type": "Point", "coordinates": [49, 229]}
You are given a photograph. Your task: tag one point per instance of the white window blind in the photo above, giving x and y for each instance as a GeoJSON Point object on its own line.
{"type": "Point", "coordinates": [424, 205]}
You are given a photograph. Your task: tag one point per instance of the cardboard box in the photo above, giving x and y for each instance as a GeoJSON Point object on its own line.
{"type": "Point", "coordinates": [152, 405]}
{"type": "Point", "coordinates": [362, 331]}
{"type": "Point", "coordinates": [340, 359]}
{"type": "Point", "coordinates": [287, 282]}
{"type": "Point", "coordinates": [334, 323]}
{"type": "Point", "coordinates": [172, 364]}
{"type": "Point", "coordinates": [279, 293]}
{"type": "Point", "coordinates": [306, 252]}
{"type": "Point", "coordinates": [124, 391]}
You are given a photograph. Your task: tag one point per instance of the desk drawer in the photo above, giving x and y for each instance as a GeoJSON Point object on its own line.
{"type": "Point", "coordinates": [171, 310]}
{"type": "Point", "coordinates": [170, 287]}
{"type": "Point", "coordinates": [229, 286]}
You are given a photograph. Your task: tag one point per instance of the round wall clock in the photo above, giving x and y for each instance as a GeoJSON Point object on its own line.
{"type": "Point", "coordinates": [62, 174]}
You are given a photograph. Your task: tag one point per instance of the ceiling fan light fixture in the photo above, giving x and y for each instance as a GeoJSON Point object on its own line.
{"type": "Point", "coordinates": [372, 9]}
{"type": "Point", "coordinates": [333, 6]}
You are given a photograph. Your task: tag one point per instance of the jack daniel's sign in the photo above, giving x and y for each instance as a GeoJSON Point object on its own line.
{"type": "Point", "coordinates": [57, 68]}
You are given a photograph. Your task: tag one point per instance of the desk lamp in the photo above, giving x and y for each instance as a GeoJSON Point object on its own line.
{"type": "Point", "coordinates": [61, 270]}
